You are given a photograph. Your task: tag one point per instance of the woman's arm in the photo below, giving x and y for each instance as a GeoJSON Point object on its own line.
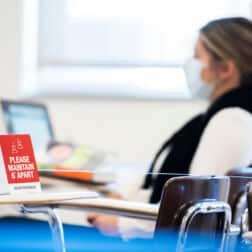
{"type": "Point", "coordinates": [133, 228]}
{"type": "Point", "coordinates": [127, 228]}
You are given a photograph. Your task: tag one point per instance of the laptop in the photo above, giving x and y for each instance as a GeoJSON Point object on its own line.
{"type": "Point", "coordinates": [31, 118]}
{"type": "Point", "coordinates": [79, 163]}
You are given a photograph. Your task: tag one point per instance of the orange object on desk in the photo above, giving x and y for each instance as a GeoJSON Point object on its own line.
{"type": "Point", "coordinates": [65, 172]}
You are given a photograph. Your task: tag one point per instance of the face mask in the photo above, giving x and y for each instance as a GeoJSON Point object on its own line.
{"type": "Point", "coordinates": [197, 87]}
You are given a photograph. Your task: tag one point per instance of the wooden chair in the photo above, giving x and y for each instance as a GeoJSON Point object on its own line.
{"type": "Point", "coordinates": [246, 241]}
{"type": "Point", "coordinates": [239, 178]}
{"type": "Point", "coordinates": [195, 204]}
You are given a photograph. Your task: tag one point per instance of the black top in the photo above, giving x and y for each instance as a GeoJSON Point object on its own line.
{"type": "Point", "coordinates": [184, 142]}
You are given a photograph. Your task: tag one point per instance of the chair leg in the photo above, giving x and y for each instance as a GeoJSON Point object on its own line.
{"type": "Point", "coordinates": [54, 222]}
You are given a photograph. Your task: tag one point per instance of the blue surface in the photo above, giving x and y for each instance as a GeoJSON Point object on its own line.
{"type": "Point", "coordinates": [26, 235]}
{"type": "Point", "coordinates": [17, 234]}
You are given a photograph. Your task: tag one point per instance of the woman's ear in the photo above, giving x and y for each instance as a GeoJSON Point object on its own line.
{"type": "Point", "coordinates": [228, 70]}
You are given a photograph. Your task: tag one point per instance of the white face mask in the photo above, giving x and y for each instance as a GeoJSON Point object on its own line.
{"type": "Point", "coordinates": [197, 87]}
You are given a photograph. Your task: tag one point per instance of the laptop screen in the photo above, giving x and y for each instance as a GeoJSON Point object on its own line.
{"type": "Point", "coordinates": [29, 118]}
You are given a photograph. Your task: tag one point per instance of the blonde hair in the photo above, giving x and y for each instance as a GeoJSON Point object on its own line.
{"type": "Point", "coordinates": [230, 38]}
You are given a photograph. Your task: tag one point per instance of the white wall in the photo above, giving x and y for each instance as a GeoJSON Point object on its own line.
{"type": "Point", "coordinates": [135, 129]}
{"type": "Point", "coordinates": [10, 46]}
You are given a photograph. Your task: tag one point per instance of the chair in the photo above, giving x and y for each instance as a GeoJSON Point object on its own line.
{"type": "Point", "coordinates": [196, 204]}
{"type": "Point", "coordinates": [246, 241]}
{"type": "Point", "coordinates": [239, 178]}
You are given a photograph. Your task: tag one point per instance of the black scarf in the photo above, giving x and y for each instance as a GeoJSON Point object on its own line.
{"type": "Point", "coordinates": [183, 143]}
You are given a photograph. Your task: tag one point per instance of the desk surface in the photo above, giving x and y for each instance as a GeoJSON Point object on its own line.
{"type": "Point", "coordinates": [56, 185]}
{"type": "Point", "coordinates": [84, 201]}
{"type": "Point", "coordinates": [76, 216]}
{"type": "Point", "coordinates": [112, 206]}
{"type": "Point", "coordinates": [44, 198]}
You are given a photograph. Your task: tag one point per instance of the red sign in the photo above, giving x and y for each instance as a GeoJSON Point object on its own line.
{"type": "Point", "coordinates": [18, 158]}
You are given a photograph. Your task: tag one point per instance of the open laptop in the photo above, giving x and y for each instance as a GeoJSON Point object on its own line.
{"type": "Point", "coordinates": [32, 118]}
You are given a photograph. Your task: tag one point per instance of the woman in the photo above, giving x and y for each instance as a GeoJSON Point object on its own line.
{"type": "Point", "coordinates": [221, 138]}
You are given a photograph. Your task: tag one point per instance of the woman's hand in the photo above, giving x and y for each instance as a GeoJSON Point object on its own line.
{"type": "Point", "coordinates": [114, 195]}
{"type": "Point", "coordinates": [106, 224]}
